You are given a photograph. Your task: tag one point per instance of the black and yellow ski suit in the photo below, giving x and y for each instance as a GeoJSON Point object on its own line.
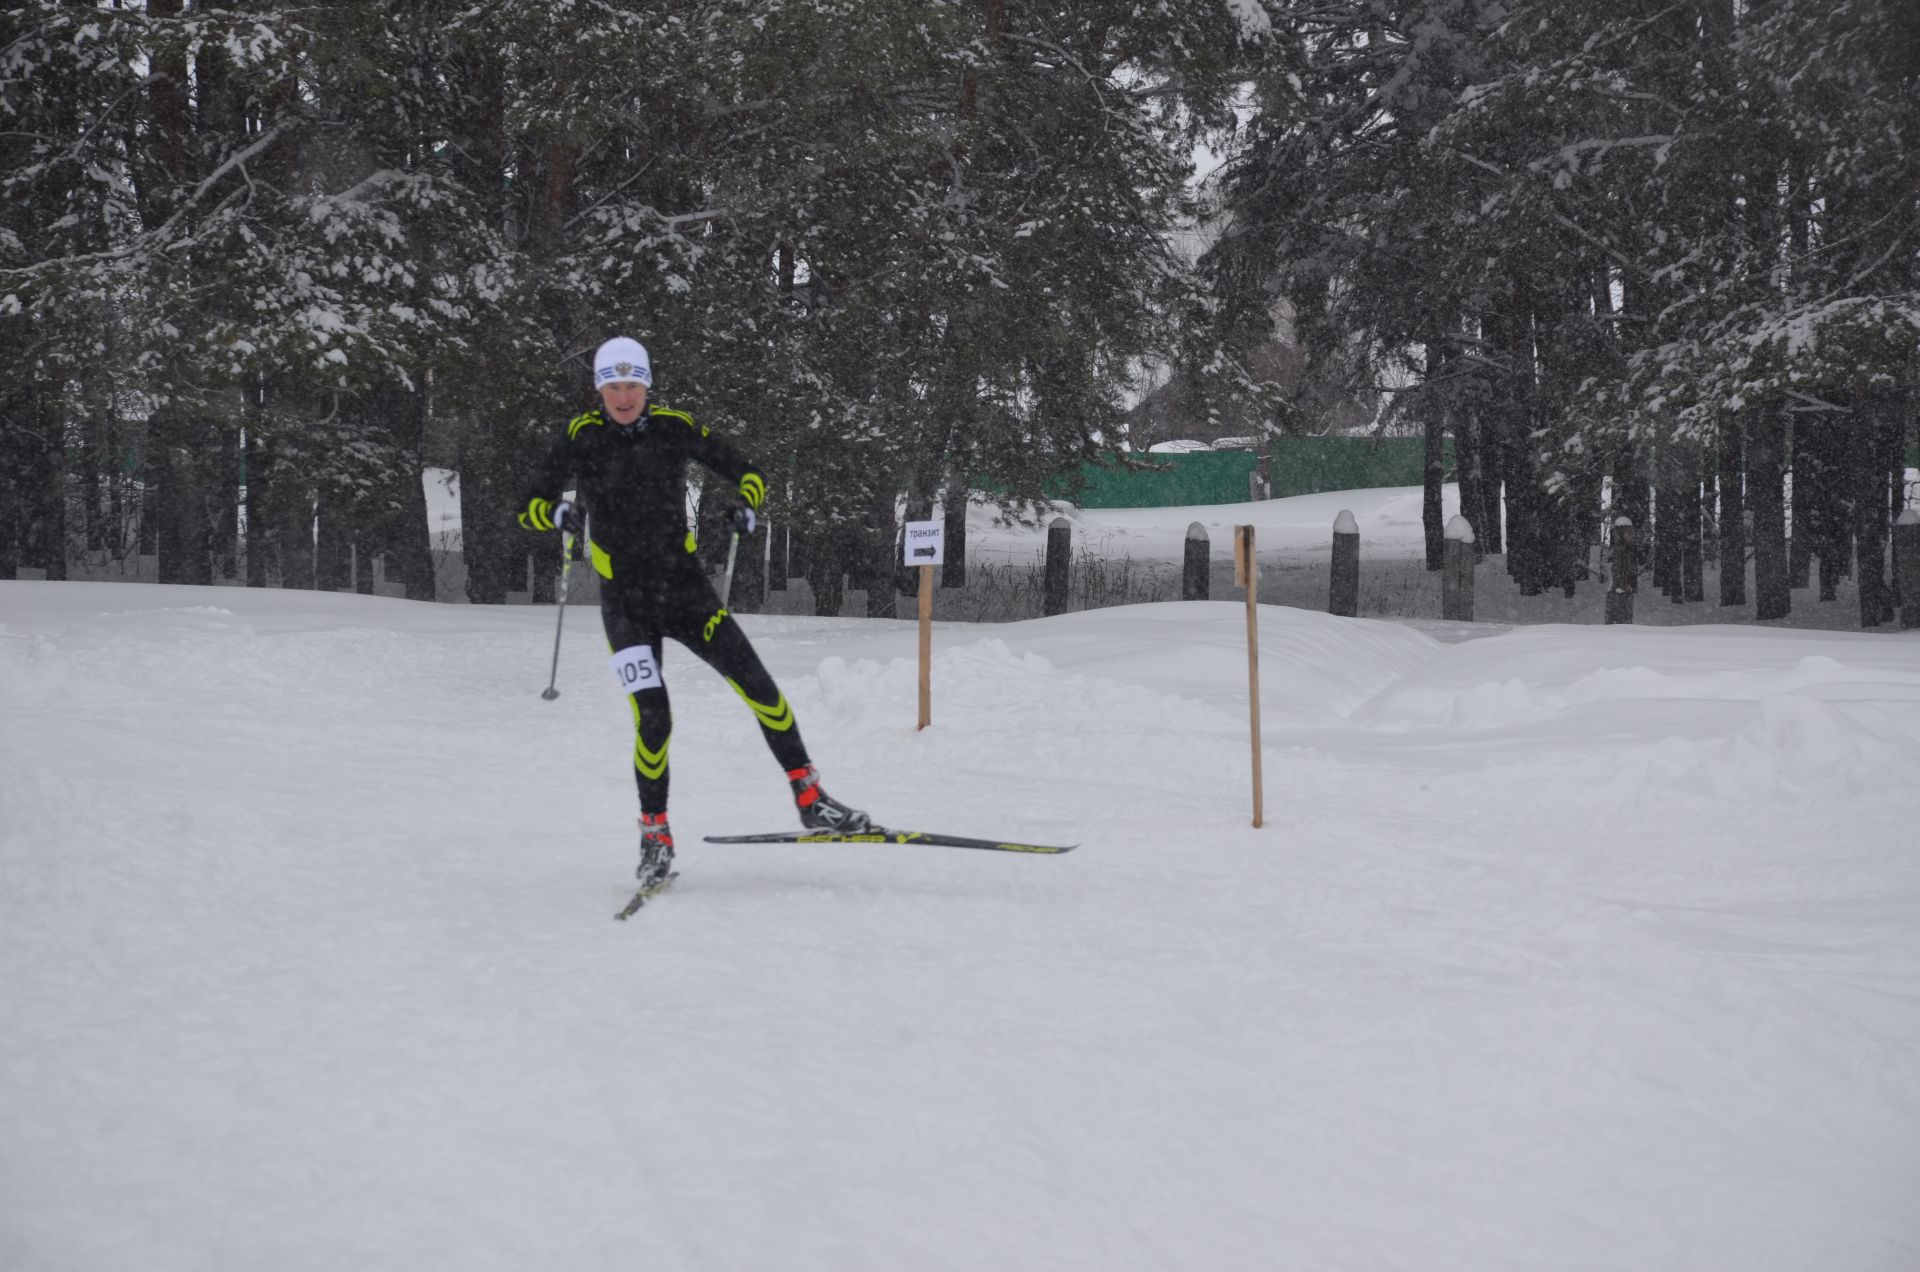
{"type": "Point", "coordinates": [631, 479]}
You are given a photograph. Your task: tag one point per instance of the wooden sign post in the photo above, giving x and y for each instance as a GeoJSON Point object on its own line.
{"type": "Point", "coordinates": [923, 544]}
{"type": "Point", "coordinates": [926, 646]}
{"type": "Point", "coordinates": [1246, 573]}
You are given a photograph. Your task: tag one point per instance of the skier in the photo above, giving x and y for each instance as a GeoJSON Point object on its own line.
{"type": "Point", "coordinates": [629, 461]}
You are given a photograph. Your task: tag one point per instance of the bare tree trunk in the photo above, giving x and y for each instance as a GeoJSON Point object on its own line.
{"type": "Point", "coordinates": [750, 572]}
{"type": "Point", "coordinates": [362, 552]}
{"type": "Point", "coordinates": [223, 502]}
{"type": "Point", "coordinates": [43, 533]}
{"type": "Point", "coordinates": [262, 525]}
{"type": "Point", "coordinates": [1693, 531]}
{"type": "Point", "coordinates": [1895, 461]}
{"type": "Point", "coordinates": [800, 553]}
{"type": "Point", "coordinates": [1493, 486]}
{"type": "Point", "coordinates": [332, 560]}
{"type": "Point", "coordinates": [410, 541]}
{"type": "Point", "coordinates": [881, 553]}
{"type": "Point", "coordinates": [1766, 451]}
{"type": "Point", "coordinates": [1800, 499]}
{"type": "Point", "coordinates": [827, 571]}
{"type": "Point", "coordinates": [180, 507]}
{"type": "Point", "coordinates": [779, 555]}
{"type": "Point", "coordinates": [1871, 531]}
{"type": "Point", "coordinates": [953, 569]}
{"type": "Point", "coordinates": [492, 546]}
{"type": "Point", "coordinates": [289, 509]}
{"type": "Point", "coordinates": [544, 560]}
{"type": "Point", "coordinates": [1822, 493]}
{"type": "Point", "coordinates": [1733, 511]}
{"type": "Point", "coordinates": [1632, 500]}
{"type": "Point", "coordinates": [1666, 522]}
{"type": "Point", "coordinates": [1466, 467]}
{"type": "Point", "coordinates": [1433, 476]}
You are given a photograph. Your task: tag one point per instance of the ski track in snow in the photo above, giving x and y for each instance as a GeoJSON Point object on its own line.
{"type": "Point", "coordinates": [1563, 948]}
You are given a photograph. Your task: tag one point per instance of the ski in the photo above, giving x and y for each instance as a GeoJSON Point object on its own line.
{"type": "Point", "coordinates": [645, 894]}
{"type": "Point", "coordinates": [881, 835]}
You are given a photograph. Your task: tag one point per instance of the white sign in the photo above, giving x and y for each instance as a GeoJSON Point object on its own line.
{"type": "Point", "coordinates": [925, 543]}
{"type": "Point", "coordinates": [636, 668]}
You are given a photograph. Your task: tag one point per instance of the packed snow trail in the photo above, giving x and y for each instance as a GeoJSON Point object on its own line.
{"type": "Point", "coordinates": [1564, 948]}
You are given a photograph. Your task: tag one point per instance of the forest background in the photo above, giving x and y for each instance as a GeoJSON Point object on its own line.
{"type": "Point", "coordinates": [262, 264]}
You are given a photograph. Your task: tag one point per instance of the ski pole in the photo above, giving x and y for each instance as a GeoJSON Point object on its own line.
{"type": "Point", "coordinates": [726, 584]}
{"type": "Point", "coordinates": [566, 564]}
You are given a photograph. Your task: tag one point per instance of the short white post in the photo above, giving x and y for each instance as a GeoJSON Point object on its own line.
{"type": "Point", "coordinates": [1344, 593]}
{"type": "Point", "coordinates": [1456, 575]}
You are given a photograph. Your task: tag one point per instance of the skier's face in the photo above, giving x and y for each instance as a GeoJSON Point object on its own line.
{"type": "Point", "coordinates": [624, 400]}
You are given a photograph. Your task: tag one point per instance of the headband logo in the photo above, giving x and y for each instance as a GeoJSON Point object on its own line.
{"type": "Point", "coordinates": [623, 368]}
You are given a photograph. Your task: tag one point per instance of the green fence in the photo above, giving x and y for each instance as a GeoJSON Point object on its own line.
{"type": "Point", "coordinates": [1301, 466]}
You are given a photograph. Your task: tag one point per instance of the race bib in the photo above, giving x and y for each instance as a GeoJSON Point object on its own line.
{"type": "Point", "coordinates": [636, 668]}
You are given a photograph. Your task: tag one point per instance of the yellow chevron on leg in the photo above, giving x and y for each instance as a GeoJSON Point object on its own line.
{"type": "Point", "coordinates": [652, 764]}
{"type": "Point", "coordinates": [778, 716]}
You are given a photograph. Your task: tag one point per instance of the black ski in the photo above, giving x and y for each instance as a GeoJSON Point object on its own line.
{"type": "Point", "coordinates": [881, 835]}
{"type": "Point", "coordinates": [641, 897]}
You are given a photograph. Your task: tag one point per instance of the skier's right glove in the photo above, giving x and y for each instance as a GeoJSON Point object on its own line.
{"type": "Point", "coordinates": [742, 518]}
{"type": "Point", "coordinates": [544, 514]}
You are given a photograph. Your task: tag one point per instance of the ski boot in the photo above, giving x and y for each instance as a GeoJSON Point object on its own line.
{"type": "Point", "coordinates": [821, 811]}
{"type": "Point", "coordinates": [656, 850]}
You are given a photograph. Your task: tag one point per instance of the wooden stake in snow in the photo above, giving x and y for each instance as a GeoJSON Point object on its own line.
{"type": "Point", "coordinates": [1246, 572]}
{"type": "Point", "coordinates": [923, 544]}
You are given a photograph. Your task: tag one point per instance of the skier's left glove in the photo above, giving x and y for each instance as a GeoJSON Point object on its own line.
{"type": "Point", "coordinates": [743, 518]}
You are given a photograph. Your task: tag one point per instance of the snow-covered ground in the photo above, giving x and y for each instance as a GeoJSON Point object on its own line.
{"type": "Point", "coordinates": [1563, 948]}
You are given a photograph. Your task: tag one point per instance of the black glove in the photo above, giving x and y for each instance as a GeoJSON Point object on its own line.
{"type": "Point", "coordinates": [742, 517]}
{"type": "Point", "coordinates": [567, 519]}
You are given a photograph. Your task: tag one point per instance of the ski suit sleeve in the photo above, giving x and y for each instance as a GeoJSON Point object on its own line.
{"type": "Point", "coordinates": [543, 494]}
{"type": "Point", "coordinates": [722, 458]}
